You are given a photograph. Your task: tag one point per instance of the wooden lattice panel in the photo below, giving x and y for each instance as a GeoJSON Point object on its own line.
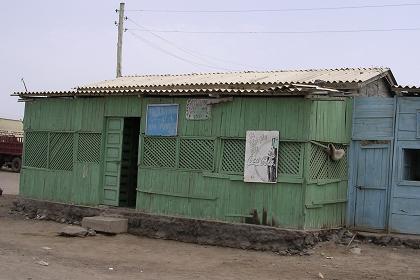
{"type": "Point", "coordinates": [89, 147]}
{"type": "Point", "coordinates": [233, 156]}
{"type": "Point", "coordinates": [61, 151]}
{"type": "Point", "coordinates": [36, 149]}
{"type": "Point", "coordinates": [338, 169]}
{"type": "Point", "coordinates": [159, 151]}
{"type": "Point", "coordinates": [290, 158]}
{"type": "Point", "coordinates": [321, 167]}
{"type": "Point", "coordinates": [197, 154]}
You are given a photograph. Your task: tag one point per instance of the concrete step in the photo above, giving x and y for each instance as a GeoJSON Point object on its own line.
{"type": "Point", "coordinates": [106, 224]}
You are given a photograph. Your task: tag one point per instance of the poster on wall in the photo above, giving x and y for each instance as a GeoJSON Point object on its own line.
{"type": "Point", "coordinates": [198, 109]}
{"type": "Point", "coordinates": [261, 156]}
{"type": "Point", "coordinates": [162, 119]}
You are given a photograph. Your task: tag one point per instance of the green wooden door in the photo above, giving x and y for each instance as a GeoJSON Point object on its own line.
{"type": "Point", "coordinates": [112, 164]}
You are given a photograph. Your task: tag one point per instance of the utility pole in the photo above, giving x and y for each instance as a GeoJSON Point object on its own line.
{"type": "Point", "coordinates": [120, 38]}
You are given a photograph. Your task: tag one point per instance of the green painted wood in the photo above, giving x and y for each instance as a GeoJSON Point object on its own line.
{"type": "Point", "coordinates": [86, 177]}
{"type": "Point", "coordinates": [331, 121]}
{"type": "Point", "coordinates": [87, 112]}
{"type": "Point", "coordinates": [233, 119]}
{"type": "Point", "coordinates": [83, 184]}
{"type": "Point", "coordinates": [325, 205]}
{"type": "Point", "coordinates": [50, 115]}
{"type": "Point", "coordinates": [179, 193]}
{"type": "Point", "coordinates": [123, 106]}
{"type": "Point", "coordinates": [112, 160]}
{"type": "Point", "coordinates": [175, 191]}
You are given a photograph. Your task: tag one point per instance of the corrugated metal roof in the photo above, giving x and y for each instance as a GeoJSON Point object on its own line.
{"type": "Point", "coordinates": [249, 79]}
{"type": "Point", "coordinates": [295, 89]}
{"type": "Point", "coordinates": [406, 87]}
{"type": "Point", "coordinates": [406, 90]}
{"type": "Point", "coordinates": [293, 82]}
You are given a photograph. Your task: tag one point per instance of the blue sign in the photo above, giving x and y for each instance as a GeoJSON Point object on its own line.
{"type": "Point", "coordinates": [162, 119]}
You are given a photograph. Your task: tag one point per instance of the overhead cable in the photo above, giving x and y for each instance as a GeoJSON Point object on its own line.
{"type": "Point", "coordinates": [153, 45]}
{"type": "Point", "coordinates": [278, 10]}
{"type": "Point", "coordinates": [280, 32]}
{"type": "Point", "coordinates": [194, 53]}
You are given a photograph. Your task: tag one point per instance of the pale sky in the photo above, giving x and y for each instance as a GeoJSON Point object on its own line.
{"type": "Point", "coordinates": [57, 45]}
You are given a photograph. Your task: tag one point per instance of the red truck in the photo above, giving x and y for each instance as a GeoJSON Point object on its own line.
{"type": "Point", "coordinates": [11, 151]}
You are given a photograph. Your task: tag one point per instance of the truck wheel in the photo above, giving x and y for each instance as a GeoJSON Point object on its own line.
{"type": "Point", "coordinates": [16, 164]}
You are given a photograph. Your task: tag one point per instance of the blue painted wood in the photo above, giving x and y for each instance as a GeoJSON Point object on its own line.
{"type": "Point", "coordinates": [373, 118]}
{"type": "Point", "coordinates": [351, 192]}
{"type": "Point", "coordinates": [372, 184]}
{"type": "Point", "coordinates": [404, 215]}
{"type": "Point", "coordinates": [370, 162]}
{"type": "Point", "coordinates": [162, 119]}
{"type": "Point", "coordinates": [376, 204]}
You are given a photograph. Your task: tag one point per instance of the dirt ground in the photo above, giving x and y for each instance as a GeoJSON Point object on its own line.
{"type": "Point", "coordinates": [9, 181]}
{"type": "Point", "coordinates": [23, 242]}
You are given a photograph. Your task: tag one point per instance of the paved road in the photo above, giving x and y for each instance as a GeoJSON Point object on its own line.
{"type": "Point", "coordinates": [9, 182]}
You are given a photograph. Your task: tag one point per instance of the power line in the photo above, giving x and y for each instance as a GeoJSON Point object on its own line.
{"type": "Point", "coordinates": [281, 32]}
{"type": "Point", "coordinates": [280, 10]}
{"type": "Point", "coordinates": [186, 50]}
{"type": "Point", "coordinates": [172, 54]}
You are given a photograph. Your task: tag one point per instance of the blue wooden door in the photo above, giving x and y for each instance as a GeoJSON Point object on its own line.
{"type": "Point", "coordinates": [372, 184]}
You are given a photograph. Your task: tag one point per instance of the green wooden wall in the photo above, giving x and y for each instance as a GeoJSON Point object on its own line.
{"type": "Point", "coordinates": [326, 181]}
{"type": "Point", "coordinates": [300, 199]}
{"type": "Point", "coordinates": [83, 121]}
{"type": "Point", "coordinates": [193, 175]}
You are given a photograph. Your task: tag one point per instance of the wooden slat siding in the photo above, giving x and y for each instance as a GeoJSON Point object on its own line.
{"type": "Point", "coordinates": [82, 185]}
{"type": "Point", "coordinates": [230, 197]}
{"type": "Point", "coordinates": [351, 191]}
{"type": "Point", "coordinates": [373, 119]}
{"type": "Point", "coordinates": [233, 119]}
{"type": "Point", "coordinates": [51, 115]}
{"type": "Point", "coordinates": [86, 190]}
{"type": "Point", "coordinates": [373, 174]}
{"type": "Point", "coordinates": [88, 112]}
{"type": "Point", "coordinates": [123, 106]}
{"type": "Point", "coordinates": [189, 193]}
{"type": "Point", "coordinates": [405, 198]}
{"type": "Point", "coordinates": [330, 122]}
{"type": "Point", "coordinates": [325, 205]}
{"type": "Point", "coordinates": [233, 198]}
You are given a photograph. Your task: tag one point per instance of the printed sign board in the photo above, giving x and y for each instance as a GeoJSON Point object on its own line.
{"type": "Point", "coordinates": [162, 119]}
{"type": "Point", "coordinates": [198, 109]}
{"type": "Point", "coordinates": [261, 156]}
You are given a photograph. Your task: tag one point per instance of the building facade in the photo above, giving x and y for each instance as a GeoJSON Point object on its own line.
{"type": "Point", "coordinates": [176, 144]}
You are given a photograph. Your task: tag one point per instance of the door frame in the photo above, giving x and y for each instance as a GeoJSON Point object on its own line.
{"type": "Point", "coordinates": [102, 185]}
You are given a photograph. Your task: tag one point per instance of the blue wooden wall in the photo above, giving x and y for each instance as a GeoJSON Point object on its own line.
{"type": "Point", "coordinates": [405, 197]}
{"type": "Point", "coordinates": [373, 118]}
{"type": "Point", "coordinates": [370, 162]}
{"type": "Point", "coordinates": [380, 198]}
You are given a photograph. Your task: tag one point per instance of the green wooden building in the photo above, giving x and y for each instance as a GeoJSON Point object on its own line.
{"type": "Point", "coordinates": [110, 144]}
